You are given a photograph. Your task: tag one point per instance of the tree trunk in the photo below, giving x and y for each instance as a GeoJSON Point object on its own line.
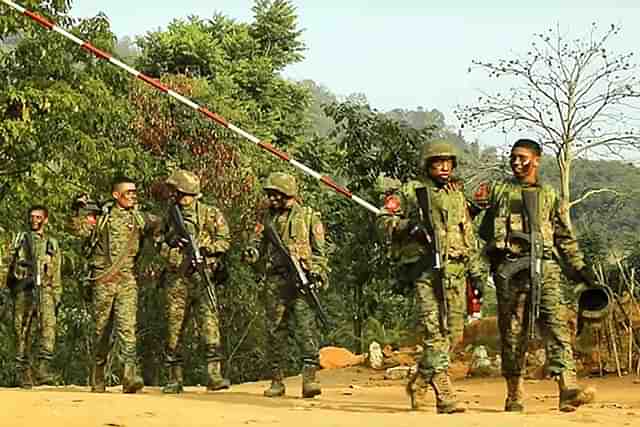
{"type": "Point", "coordinates": [564, 163]}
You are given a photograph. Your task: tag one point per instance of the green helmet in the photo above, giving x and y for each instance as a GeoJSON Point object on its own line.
{"type": "Point", "coordinates": [282, 182]}
{"type": "Point", "coordinates": [185, 182]}
{"type": "Point", "coordinates": [438, 148]}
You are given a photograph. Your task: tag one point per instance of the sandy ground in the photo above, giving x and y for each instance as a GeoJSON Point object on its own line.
{"type": "Point", "coordinates": [351, 397]}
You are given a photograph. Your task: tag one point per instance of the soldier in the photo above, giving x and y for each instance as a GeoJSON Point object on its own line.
{"type": "Point", "coordinates": [301, 231]}
{"type": "Point", "coordinates": [35, 282]}
{"type": "Point", "coordinates": [114, 239]}
{"type": "Point", "coordinates": [184, 288]}
{"type": "Point", "coordinates": [403, 219]}
{"type": "Point", "coordinates": [504, 221]}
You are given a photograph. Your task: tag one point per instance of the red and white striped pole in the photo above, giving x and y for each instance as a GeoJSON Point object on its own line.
{"type": "Point", "coordinates": [326, 180]}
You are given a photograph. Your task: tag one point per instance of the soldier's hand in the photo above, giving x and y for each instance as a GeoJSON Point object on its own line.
{"type": "Point", "coordinates": [81, 201]}
{"type": "Point", "coordinates": [454, 185]}
{"type": "Point", "coordinates": [250, 255]}
{"type": "Point", "coordinates": [588, 277]}
{"type": "Point", "coordinates": [177, 242]}
{"type": "Point", "coordinates": [319, 280]}
{"type": "Point", "coordinates": [206, 252]}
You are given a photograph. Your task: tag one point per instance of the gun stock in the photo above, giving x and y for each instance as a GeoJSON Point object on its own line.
{"type": "Point", "coordinates": [298, 275]}
{"type": "Point", "coordinates": [193, 258]}
{"type": "Point", "coordinates": [536, 248]}
{"type": "Point", "coordinates": [34, 271]}
{"type": "Point", "coordinates": [425, 204]}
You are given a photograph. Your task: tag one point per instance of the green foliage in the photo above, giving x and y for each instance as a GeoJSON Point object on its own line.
{"type": "Point", "coordinates": [69, 122]}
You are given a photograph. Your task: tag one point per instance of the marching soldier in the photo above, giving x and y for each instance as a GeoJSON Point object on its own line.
{"type": "Point", "coordinates": [302, 233]}
{"type": "Point", "coordinates": [34, 278]}
{"type": "Point", "coordinates": [428, 224]}
{"type": "Point", "coordinates": [509, 222]}
{"type": "Point", "coordinates": [185, 289]}
{"type": "Point", "coordinates": [114, 240]}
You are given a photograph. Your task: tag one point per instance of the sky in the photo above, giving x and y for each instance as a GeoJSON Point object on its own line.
{"type": "Point", "coordinates": [403, 53]}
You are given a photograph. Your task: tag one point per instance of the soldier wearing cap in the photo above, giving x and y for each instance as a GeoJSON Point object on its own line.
{"type": "Point", "coordinates": [184, 289]}
{"type": "Point", "coordinates": [301, 231]}
{"type": "Point", "coordinates": [402, 221]}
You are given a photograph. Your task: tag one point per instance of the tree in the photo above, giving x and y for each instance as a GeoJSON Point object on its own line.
{"type": "Point", "coordinates": [575, 95]}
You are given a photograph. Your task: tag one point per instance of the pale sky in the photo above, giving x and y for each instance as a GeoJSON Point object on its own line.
{"type": "Point", "coordinates": [400, 54]}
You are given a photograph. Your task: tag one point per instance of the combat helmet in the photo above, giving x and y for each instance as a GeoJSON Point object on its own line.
{"type": "Point", "coordinates": [282, 182]}
{"type": "Point", "coordinates": [185, 182]}
{"type": "Point", "coordinates": [438, 148]}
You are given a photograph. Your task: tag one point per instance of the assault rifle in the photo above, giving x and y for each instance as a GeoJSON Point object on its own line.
{"type": "Point", "coordinates": [296, 274]}
{"type": "Point", "coordinates": [426, 221]}
{"type": "Point", "coordinates": [35, 278]}
{"type": "Point", "coordinates": [530, 200]}
{"type": "Point", "coordinates": [193, 258]}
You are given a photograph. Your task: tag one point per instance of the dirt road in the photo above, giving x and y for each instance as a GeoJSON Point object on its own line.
{"type": "Point", "coordinates": [351, 397]}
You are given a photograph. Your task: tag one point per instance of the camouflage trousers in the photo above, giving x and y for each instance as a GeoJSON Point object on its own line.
{"type": "Point", "coordinates": [289, 313]}
{"type": "Point", "coordinates": [435, 358]}
{"type": "Point", "coordinates": [185, 297]}
{"type": "Point", "coordinates": [513, 306]}
{"type": "Point", "coordinates": [28, 314]}
{"type": "Point", "coordinates": [115, 308]}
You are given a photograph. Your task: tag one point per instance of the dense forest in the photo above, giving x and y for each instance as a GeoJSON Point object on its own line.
{"type": "Point", "coordinates": [69, 123]}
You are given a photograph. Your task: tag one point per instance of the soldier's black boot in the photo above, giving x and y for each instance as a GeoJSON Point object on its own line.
{"type": "Point", "coordinates": [417, 389]}
{"type": "Point", "coordinates": [310, 385]}
{"type": "Point", "coordinates": [515, 394]}
{"type": "Point", "coordinates": [215, 381]}
{"type": "Point", "coordinates": [446, 401]}
{"type": "Point", "coordinates": [131, 381]}
{"type": "Point", "coordinates": [44, 375]}
{"type": "Point", "coordinates": [571, 394]}
{"type": "Point", "coordinates": [98, 384]}
{"type": "Point", "coordinates": [174, 385]}
{"type": "Point", "coordinates": [277, 388]}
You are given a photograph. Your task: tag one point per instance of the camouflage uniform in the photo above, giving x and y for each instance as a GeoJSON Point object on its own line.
{"type": "Point", "coordinates": [29, 313]}
{"type": "Point", "coordinates": [301, 231]}
{"type": "Point", "coordinates": [398, 220]}
{"type": "Point", "coordinates": [114, 242]}
{"type": "Point", "coordinates": [184, 290]}
{"type": "Point", "coordinates": [503, 218]}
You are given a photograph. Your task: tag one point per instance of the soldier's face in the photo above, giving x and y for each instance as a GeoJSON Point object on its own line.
{"type": "Point", "coordinates": [524, 163]}
{"type": "Point", "coordinates": [185, 199]}
{"type": "Point", "coordinates": [126, 195]}
{"type": "Point", "coordinates": [38, 219]}
{"type": "Point", "coordinates": [277, 200]}
{"type": "Point", "coordinates": [440, 169]}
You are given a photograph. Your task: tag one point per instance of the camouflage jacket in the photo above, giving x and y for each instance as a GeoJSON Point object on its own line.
{"type": "Point", "coordinates": [504, 215]}
{"type": "Point", "coordinates": [208, 227]}
{"type": "Point", "coordinates": [114, 239]}
{"type": "Point", "coordinates": [48, 256]}
{"type": "Point", "coordinates": [450, 215]}
{"type": "Point", "coordinates": [302, 232]}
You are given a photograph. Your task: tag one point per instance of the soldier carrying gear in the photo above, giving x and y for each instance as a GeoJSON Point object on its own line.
{"type": "Point", "coordinates": [506, 226]}
{"type": "Point", "coordinates": [185, 288]}
{"type": "Point", "coordinates": [114, 239]}
{"type": "Point", "coordinates": [302, 233]}
{"type": "Point", "coordinates": [432, 238]}
{"type": "Point", "coordinates": [34, 278]}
